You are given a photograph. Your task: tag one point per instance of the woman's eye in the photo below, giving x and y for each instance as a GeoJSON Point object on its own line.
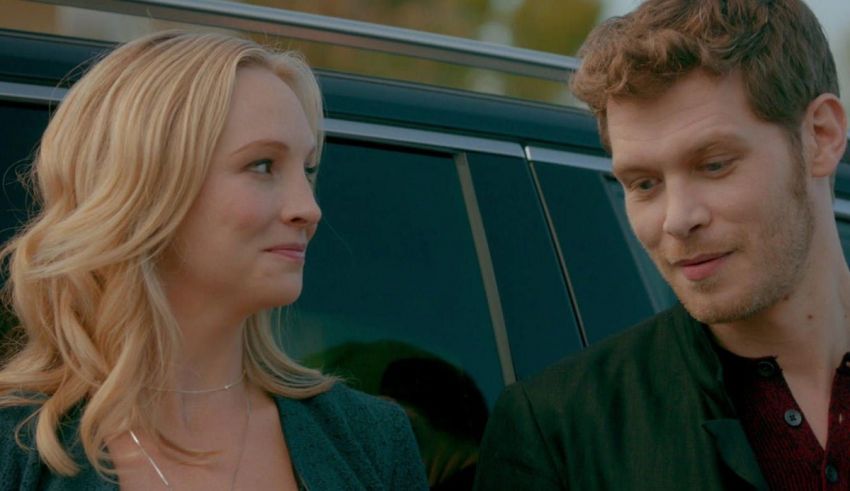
{"type": "Point", "coordinates": [263, 166]}
{"type": "Point", "coordinates": [310, 170]}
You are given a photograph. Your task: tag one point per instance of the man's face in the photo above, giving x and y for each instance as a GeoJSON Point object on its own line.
{"type": "Point", "coordinates": [716, 196]}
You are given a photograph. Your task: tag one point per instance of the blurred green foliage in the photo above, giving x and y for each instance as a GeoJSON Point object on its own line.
{"type": "Point", "coordinates": [556, 26]}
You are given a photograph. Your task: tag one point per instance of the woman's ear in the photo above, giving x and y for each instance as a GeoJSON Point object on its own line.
{"type": "Point", "coordinates": [824, 134]}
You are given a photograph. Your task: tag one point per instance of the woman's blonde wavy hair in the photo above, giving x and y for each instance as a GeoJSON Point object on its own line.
{"type": "Point", "coordinates": [118, 167]}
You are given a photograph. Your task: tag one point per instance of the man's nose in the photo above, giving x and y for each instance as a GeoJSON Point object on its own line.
{"type": "Point", "coordinates": [686, 211]}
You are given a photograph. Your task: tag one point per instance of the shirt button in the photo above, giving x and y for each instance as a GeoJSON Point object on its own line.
{"type": "Point", "coordinates": [793, 418]}
{"type": "Point", "coordinates": [766, 368]}
{"type": "Point", "coordinates": [831, 474]}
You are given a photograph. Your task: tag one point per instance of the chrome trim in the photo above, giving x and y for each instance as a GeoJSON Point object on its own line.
{"type": "Point", "coordinates": [571, 159]}
{"type": "Point", "coordinates": [334, 127]}
{"type": "Point", "coordinates": [841, 207]}
{"type": "Point", "coordinates": [488, 272]}
{"type": "Point", "coordinates": [562, 262]}
{"type": "Point", "coordinates": [31, 93]}
{"type": "Point", "coordinates": [421, 138]}
{"type": "Point", "coordinates": [342, 32]}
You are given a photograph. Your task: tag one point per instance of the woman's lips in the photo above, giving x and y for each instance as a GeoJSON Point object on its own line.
{"type": "Point", "coordinates": [702, 267]}
{"type": "Point", "coordinates": [295, 252]}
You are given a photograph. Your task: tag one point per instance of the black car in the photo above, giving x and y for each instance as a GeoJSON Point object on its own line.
{"type": "Point", "coordinates": [467, 241]}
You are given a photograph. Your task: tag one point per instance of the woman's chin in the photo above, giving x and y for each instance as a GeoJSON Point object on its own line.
{"type": "Point", "coordinates": [278, 299]}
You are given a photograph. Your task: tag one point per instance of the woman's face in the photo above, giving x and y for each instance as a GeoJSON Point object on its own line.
{"type": "Point", "coordinates": [243, 243]}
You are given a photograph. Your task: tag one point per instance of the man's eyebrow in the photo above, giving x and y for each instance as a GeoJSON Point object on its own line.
{"type": "Point", "coordinates": [702, 147]}
{"type": "Point", "coordinates": [620, 167]}
{"type": "Point", "coordinates": [717, 141]}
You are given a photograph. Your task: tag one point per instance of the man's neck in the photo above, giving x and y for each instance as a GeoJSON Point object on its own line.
{"type": "Point", "coordinates": [808, 331]}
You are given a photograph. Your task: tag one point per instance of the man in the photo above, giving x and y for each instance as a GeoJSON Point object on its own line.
{"type": "Point", "coordinates": [724, 127]}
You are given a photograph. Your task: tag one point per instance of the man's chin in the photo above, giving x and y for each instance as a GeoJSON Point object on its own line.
{"type": "Point", "coordinates": [709, 315]}
{"type": "Point", "coordinates": [705, 303]}
{"type": "Point", "coordinates": [711, 310]}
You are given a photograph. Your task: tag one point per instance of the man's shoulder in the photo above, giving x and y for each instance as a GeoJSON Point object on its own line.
{"type": "Point", "coordinates": [635, 360]}
{"type": "Point", "coordinates": [630, 403]}
{"type": "Point", "coordinates": [637, 345]}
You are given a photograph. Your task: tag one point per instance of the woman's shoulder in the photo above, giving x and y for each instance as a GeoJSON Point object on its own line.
{"type": "Point", "coordinates": [341, 403]}
{"type": "Point", "coordinates": [19, 461]}
{"type": "Point", "coordinates": [12, 416]}
{"type": "Point", "coordinates": [343, 435]}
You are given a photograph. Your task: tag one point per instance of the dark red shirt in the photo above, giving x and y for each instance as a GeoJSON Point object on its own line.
{"type": "Point", "coordinates": [786, 448]}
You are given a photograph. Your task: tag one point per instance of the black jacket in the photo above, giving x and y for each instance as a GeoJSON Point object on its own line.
{"type": "Point", "coordinates": [646, 409]}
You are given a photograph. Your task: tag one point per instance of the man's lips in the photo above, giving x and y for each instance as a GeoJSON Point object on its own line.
{"type": "Point", "coordinates": [295, 251]}
{"type": "Point", "coordinates": [701, 267]}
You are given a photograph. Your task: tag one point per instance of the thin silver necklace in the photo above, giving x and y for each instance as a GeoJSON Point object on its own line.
{"type": "Point", "coordinates": [204, 391]}
{"type": "Point", "coordinates": [161, 474]}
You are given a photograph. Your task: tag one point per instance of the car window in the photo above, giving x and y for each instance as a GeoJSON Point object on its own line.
{"type": "Point", "coordinates": [394, 262]}
{"type": "Point", "coordinates": [393, 296]}
{"type": "Point", "coordinates": [584, 225]}
{"type": "Point", "coordinates": [26, 122]}
{"type": "Point", "coordinates": [21, 126]}
{"type": "Point", "coordinates": [660, 293]}
{"type": "Point", "coordinates": [540, 323]}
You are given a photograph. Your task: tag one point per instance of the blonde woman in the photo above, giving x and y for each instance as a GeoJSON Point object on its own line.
{"type": "Point", "coordinates": [176, 208]}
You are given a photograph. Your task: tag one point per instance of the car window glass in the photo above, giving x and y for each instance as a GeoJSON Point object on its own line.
{"type": "Point", "coordinates": [21, 126]}
{"type": "Point", "coordinates": [584, 225]}
{"type": "Point", "coordinates": [394, 260]}
{"type": "Point", "coordinates": [393, 297]}
{"type": "Point", "coordinates": [660, 293]}
{"type": "Point", "coordinates": [26, 122]}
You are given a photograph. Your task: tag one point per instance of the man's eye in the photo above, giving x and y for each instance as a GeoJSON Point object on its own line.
{"type": "Point", "coordinates": [644, 185]}
{"type": "Point", "coordinates": [263, 166]}
{"type": "Point", "coordinates": [715, 167]}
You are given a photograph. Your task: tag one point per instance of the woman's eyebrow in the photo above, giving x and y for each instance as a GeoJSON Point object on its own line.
{"type": "Point", "coordinates": [264, 142]}
{"type": "Point", "coordinates": [278, 145]}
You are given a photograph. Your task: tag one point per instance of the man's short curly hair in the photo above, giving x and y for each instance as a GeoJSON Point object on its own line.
{"type": "Point", "coordinates": [777, 45]}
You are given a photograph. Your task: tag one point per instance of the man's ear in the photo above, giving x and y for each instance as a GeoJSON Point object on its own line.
{"type": "Point", "coordinates": [824, 134]}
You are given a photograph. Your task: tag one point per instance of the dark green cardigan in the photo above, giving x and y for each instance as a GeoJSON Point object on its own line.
{"type": "Point", "coordinates": [646, 409]}
{"type": "Point", "coordinates": [339, 440]}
